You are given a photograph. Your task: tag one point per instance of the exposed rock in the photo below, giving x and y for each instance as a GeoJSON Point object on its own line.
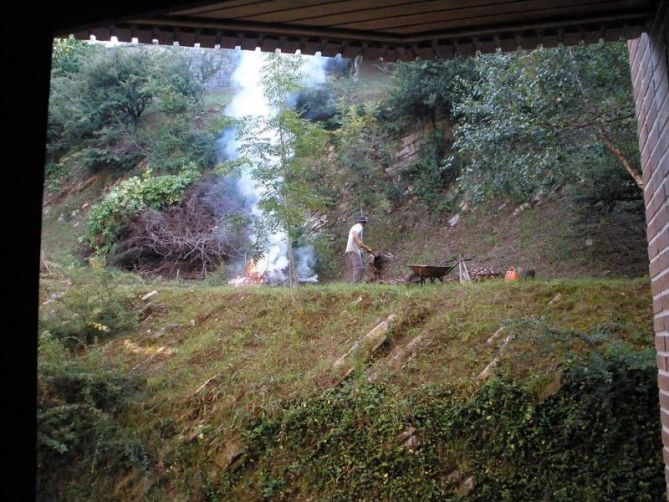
{"type": "Point", "coordinates": [204, 385]}
{"type": "Point", "coordinates": [54, 297]}
{"type": "Point", "coordinates": [495, 336]}
{"type": "Point", "coordinates": [555, 299]}
{"type": "Point", "coordinates": [230, 454]}
{"type": "Point", "coordinates": [487, 372]}
{"type": "Point", "coordinates": [412, 444]}
{"type": "Point", "coordinates": [466, 487]}
{"type": "Point", "coordinates": [149, 295]}
{"type": "Point", "coordinates": [403, 436]}
{"type": "Point", "coordinates": [369, 343]}
{"type": "Point", "coordinates": [454, 220]}
{"type": "Point", "coordinates": [521, 208]}
{"type": "Point", "coordinates": [400, 356]}
{"type": "Point", "coordinates": [588, 242]}
{"type": "Point", "coordinates": [456, 476]}
{"type": "Point", "coordinates": [164, 330]}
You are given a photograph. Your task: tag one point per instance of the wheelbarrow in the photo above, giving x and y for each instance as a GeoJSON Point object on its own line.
{"type": "Point", "coordinates": [434, 272]}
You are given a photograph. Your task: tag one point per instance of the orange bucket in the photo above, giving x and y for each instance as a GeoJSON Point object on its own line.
{"type": "Point", "coordinates": [511, 274]}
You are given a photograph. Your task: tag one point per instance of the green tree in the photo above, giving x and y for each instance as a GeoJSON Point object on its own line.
{"type": "Point", "coordinates": [362, 151]}
{"type": "Point", "coordinates": [421, 92]}
{"type": "Point", "coordinates": [113, 107]}
{"type": "Point", "coordinates": [69, 55]}
{"type": "Point", "coordinates": [278, 149]}
{"type": "Point", "coordinates": [532, 120]}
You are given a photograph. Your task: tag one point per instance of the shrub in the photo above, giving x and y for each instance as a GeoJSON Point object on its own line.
{"type": "Point", "coordinates": [129, 198]}
{"type": "Point", "coordinates": [89, 310]}
{"type": "Point", "coordinates": [77, 433]}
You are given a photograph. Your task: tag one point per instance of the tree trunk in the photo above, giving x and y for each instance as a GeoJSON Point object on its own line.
{"type": "Point", "coordinates": [606, 139]}
{"type": "Point", "coordinates": [292, 264]}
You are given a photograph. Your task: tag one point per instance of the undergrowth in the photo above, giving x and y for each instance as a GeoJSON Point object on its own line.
{"type": "Point", "coordinates": [575, 445]}
{"type": "Point", "coordinates": [78, 432]}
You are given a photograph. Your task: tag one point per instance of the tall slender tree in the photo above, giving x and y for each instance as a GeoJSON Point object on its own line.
{"type": "Point", "coordinates": [279, 149]}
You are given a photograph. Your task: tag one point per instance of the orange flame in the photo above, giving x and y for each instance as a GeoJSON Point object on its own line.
{"type": "Point", "coordinates": [252, 276]}
{"type": "Point", "coordinates": [252, 273]}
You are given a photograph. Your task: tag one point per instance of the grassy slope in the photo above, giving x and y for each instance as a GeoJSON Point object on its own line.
{"type": "Point", "coordinates": [263, 347]}
{"type": "Point", "coordinates": [260, 348]}
{"type": "Point", "coordinates": [547, 238]}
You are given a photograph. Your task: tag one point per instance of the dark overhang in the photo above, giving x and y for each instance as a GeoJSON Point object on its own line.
{"type": "Point", "coordinates": [391, 29]}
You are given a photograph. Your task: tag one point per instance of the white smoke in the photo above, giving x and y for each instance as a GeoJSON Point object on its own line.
{"type": "Point", "coordinates": [250, 102]}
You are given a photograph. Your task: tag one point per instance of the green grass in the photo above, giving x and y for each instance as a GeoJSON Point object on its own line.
{"type": "Point", "coordinates": [263, 348]}
{"type": "Point", "coordinates": [64, 222]}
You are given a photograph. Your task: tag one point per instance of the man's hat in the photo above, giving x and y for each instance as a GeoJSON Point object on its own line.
{"type": "Point", "coordinates": [361, 219]}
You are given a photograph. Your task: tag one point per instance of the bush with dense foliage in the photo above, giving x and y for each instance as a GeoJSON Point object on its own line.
{"type": "Point", "coordinates": [93, 308]}
{"type": "Point", "coordinates": [363, 152]}
{"type": "Point", "coordinates": [522, 124]}
{"type": "Point", "coordinates": [77, 430]}
{"type": "Point", "coordinates": [129, 198]}
{"type": "Point", "coordinates": [422, 92]}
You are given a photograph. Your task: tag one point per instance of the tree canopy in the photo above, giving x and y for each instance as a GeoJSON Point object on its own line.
{"type": "Point", "coordinates": [528, 121]}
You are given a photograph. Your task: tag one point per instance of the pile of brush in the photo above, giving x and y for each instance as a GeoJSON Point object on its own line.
{"type": "Point", "coordinates": [377, 264]}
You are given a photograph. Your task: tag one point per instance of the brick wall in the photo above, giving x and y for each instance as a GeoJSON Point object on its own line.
{"type": "Point", "coordinates": [650, 77]}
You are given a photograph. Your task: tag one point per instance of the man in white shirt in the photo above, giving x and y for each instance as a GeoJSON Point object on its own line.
{"type": "Point", "coordinates": [353, 247]}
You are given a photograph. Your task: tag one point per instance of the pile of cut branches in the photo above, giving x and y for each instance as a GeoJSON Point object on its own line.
{"type": "Point", "coordinates": [186, 240]}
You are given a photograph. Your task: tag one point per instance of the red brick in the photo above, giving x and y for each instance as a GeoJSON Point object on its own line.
{"type": "Point", "coordinates": [663, 381]}
{"type": "Point", "coordinates": [657, 265]}
{"type": "Point", "coordinates": [660, 283]}
{"type": "Point", "coordinates": [662, 362]}
{"type": "Point", "coordinates": [664, 400]}
{"type": "Point", "coordinates": [654, 181]}
{"type": "Point", "coordinates": [663, 260]}
{"type": "Point", "coordinates": [662, 239]}
{"type": "Point", "coordinates": [659, 149]}
{"type": "Point", "coordinates": [661, 87]}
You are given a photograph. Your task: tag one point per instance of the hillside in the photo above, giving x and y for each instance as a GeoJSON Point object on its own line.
{"type": "Point", "coordinates": [238, 394]}
{"type": "Point", "coordinates": [159, 380]}
{"type": "Point", "coordinates": [553, 238]}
